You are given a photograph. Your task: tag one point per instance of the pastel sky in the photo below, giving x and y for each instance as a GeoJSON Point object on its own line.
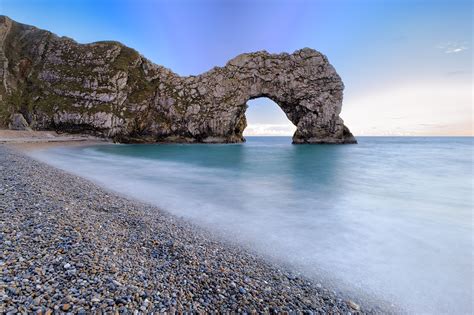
{"type": "Point", "coordinates": [406, 64]}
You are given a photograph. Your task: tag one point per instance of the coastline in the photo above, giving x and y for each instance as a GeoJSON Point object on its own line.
{"type": "Point", "coordinates": [69, 245]}
{"type": "Point", "coordinates": [28, 139]}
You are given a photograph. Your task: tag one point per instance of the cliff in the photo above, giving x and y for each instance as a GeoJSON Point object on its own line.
{"type": "Point", "coordinates": [108, 89]}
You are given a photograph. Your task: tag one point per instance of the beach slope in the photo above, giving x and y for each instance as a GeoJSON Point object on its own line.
{"type": "Point", "coordinates": [69, 245]}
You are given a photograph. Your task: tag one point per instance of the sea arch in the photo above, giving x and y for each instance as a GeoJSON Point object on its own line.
{"type": "Point", "coordinates": [303, 84]}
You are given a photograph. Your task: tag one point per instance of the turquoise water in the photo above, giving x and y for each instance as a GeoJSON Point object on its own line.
{"type": "Point", "coordinates": [389, 217]}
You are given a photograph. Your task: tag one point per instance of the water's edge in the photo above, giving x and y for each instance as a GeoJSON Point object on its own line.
{"type": "Point", "coordinates": [211, 182]}
{"type": "Point", "coordinates": [60, 213]}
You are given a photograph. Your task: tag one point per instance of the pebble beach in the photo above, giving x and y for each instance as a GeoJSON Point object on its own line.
{"type": "Point", "coordinates": [69, 246]}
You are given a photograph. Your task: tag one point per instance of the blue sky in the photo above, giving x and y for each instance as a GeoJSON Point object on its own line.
{"type": "Point", "coordinates": [407, 65]}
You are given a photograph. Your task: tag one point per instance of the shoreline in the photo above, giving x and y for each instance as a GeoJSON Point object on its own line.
{"type": "Point", "coordinates": [92, 249]}
{"type": "Point", "coordinates": [25, 140]}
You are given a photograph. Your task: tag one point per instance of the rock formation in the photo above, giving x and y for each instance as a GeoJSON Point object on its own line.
{"type": "Point", "coordinates": [108, 89]}
{"type": "Point", "coordinates": [18, 122]}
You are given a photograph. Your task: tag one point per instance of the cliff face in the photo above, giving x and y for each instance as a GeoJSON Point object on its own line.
{"type": "Point", "coordinates": [108, 89]}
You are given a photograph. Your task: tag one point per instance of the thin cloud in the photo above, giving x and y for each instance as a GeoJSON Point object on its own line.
{"type": "Point", "coordinates": [399, 117]}
{"type": "Point", "coordinates": [269, 130]}
{"type": "Point", "coordinates": [455, 50]}
{"type": "Point", "coordinates": [453, 47]}
{"type": "Point", "coordinates": [417, 108]}
{"type": "Point", "coordinates": [433, 125]}
{"type": "Point", "coordinates": [457, 73]}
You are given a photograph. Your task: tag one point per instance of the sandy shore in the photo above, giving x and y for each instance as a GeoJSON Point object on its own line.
{"type": "Point", "coordinates": [68, 245]}
{"type": "Point", "coordinates": [26, 140]}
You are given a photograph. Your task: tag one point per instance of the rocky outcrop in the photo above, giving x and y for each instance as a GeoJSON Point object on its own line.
{"type": "Point", "coordinates": [18, 122]}
{"type": "Point", "coordinates": [108, 89]}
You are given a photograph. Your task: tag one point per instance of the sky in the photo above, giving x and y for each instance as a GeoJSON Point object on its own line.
{"type": "Point", "coordinates": [406, 64]}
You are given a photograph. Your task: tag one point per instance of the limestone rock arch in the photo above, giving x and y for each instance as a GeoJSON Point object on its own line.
{"type": "Point", "coordinates": [108, 89]}
{"type": "Point", "coordinates": [303, 84]}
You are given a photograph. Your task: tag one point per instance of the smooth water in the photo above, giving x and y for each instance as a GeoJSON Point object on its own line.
{"type": "Point", "coordinates": [389, 217]}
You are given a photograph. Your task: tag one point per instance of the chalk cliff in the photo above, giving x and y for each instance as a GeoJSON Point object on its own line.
{"type": "Point", "coordinates": [108, 89]}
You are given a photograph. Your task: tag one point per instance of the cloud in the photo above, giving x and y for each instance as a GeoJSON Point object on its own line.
{"type": "Point", "coordinates": [457, 73]}
{"type": "Point", "coordinates": [453, 47]}
{"type": "Point", "coordinates": [455, 50]}
{"type": "Point", "coordinates": [414, 108]}
{"type": "Point", "coordinates": [269, 130]}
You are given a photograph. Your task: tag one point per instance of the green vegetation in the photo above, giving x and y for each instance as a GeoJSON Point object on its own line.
{"type": "Point", "coordinates": [125, 59]}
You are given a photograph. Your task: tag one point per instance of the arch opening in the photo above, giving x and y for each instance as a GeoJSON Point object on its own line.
{"type": "Point", "coordinates": [266, 118]}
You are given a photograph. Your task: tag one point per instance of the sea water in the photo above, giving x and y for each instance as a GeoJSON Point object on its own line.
{"type": "Point", "coordinates": [390, 217]}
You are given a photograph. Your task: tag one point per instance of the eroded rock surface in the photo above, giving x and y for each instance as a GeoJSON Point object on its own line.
{"type": "Point", "coordinates": [108, 89]}
{"type": "Point", "coordinates": [18, 122]}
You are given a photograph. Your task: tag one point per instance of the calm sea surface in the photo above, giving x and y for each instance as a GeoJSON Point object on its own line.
{"type": "Point", "coordinates": [389, 217]}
